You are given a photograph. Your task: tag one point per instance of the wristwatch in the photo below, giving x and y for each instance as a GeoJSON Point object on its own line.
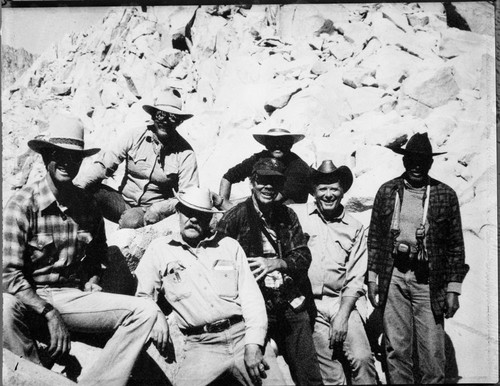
{"type": "Point", "coordinates": [46, 309]}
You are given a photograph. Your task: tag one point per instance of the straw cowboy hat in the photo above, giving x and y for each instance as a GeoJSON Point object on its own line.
{"type": "Point", "coordinates": [328, 172]}
{"type": "Point", "coordinates": [170, 102]}
{"type": "Point", "coordinates": [199, 199]}
{"type": "Point", "coordinates": [277, 132]}
{"type": "Point", "coordinates": [418, 145]}
{"type": "Point", "coordinates": [67, 133]}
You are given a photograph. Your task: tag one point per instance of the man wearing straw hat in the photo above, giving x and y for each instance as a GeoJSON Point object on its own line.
{"type": "Point", "coordinates": [278, 143]}
{"type": "Point", "coordinates": [53, 246]}
{"type": "Point", "coordinates": [216, 303]}
{"type": "Point", "coordinates": [338, 247]}
{"type": "Point", "coordinates": [416, 264]}
{"type": "Point", "coordinates": [157, 159]}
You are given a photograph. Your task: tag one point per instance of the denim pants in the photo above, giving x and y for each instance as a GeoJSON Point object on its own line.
{"type": "Point", "coordinates": [356, 347]}
{"type": "Point", "coordinates": [292, 333]}
{"type": "Point", "coordinates": [209, 356]}
{"type": "Point", "coordinates": [408, 316]}
{"type": "Point", "coordinates": [129, 317]}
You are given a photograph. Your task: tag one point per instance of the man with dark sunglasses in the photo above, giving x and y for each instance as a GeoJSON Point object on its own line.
{"type": "Point", "coordinates": [277, 251]}
{"type": "Point", "coordinates": [278, 143]}
{"type": "Point", "coordinates": [53, 247]}
{"type": "Point", "coordinates": [157, 159]}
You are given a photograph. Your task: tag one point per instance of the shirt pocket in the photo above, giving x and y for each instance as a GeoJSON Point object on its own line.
{"type": "Point", "coordinates": [139, 165]}
{"type": "Point", "coordinates": [42, 250]}
{"type": "Point", "coordinates": [176, 286]}
{"type": "Point", "coordinates": [225, 279]}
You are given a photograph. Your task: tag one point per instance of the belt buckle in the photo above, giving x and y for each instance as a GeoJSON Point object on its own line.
{"type": "Point", "coordinates": [218, 326]}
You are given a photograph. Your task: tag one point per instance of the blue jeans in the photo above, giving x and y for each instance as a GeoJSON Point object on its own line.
{"type": "Point", "coordinates": [408, 316]}
{"type": "Point", "coordinates": [356, 347]}
{"type": "Point", "coordinates": [210, 356]}
{"type": "Point", "coordinates": [130, 318]}
{"type": "Point", "coordinates": [292, 333]}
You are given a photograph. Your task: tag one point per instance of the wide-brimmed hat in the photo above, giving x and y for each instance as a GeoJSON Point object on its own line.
{"type": "Point", "coordinates": [418, 145]}
{"type": "Point", "coordinates": [170, 102]}
{"type": "Point", "coordinates": [277, 132]}
{"type": "Point", "coordinates": [269, 167]}
{"type": "Point", "coordinates": [328, 172]}
{"type": "Point", "coordinates": [199, 199]}
{"type": "Point", "coordinates": [66, 133]}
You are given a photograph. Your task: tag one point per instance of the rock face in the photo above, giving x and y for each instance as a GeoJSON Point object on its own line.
{"type": "Point", "coordinates": [14, 62]}
{"type": "Point", "coordinates": [354, 78]}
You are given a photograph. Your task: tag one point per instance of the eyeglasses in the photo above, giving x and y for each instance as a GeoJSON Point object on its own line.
{"type": "Point", "coordinates": [61, 156]}
{"type": "Point", "coordinates": [164, 117]}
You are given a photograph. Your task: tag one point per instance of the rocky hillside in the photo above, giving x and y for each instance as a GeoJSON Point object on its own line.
{"type": "Point", "coordinates": [354, 78]}
{"type": "Point", "coordinates": [14, 63]}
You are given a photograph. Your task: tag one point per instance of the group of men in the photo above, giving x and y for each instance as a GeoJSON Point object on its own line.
{"type": "Point", "coordinates": [277, 275]}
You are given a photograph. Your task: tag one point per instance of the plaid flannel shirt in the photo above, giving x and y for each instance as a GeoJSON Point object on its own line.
{"type": "Point", "coordinates": [45, 243]}
{"type": "Point", "coordinates": [444, 240]}
{"type": "Point", "coordinates": [240, 223]}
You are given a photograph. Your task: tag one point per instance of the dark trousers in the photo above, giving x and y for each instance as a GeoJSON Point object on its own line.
{"type": "Point", "coordinates": [114, 208]}
{"type": "Point", "coordinates": [292, 332]}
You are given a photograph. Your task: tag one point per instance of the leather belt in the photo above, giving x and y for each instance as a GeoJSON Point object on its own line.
{"type": "Point", "coordinates": [217, 326]}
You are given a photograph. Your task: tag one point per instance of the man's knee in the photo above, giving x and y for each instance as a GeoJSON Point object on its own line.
{"type": "Point", "coordinates": [132, 218]}
{"type": "Point", "coordinates": [145, 308]}
{"type": "Point", "coordinates": [13, 310]}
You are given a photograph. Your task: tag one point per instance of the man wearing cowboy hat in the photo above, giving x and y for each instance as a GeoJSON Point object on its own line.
{"type": "Point", "coordinates": [416, 264]}
{"type": "Point", "coordinates": [339, 259]}
{"type": "Point", "coordinates": [278, 143]}
{"type": "Point", "coordinates": [272, 238]}
{"type": "Point", "coordinates": [216, 303]}
{"type": "Point", "coordinates": [158, 160]}
{"type": "Point", "coordinates": [53, 246]}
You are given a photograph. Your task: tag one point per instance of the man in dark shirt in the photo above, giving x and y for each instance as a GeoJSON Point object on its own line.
{"type": "Point", "coordinates": [278, 143]}
{"type": "Point", "coordinates": [416, 264]}
{"type": "Point", "coordinates": [277, 251]}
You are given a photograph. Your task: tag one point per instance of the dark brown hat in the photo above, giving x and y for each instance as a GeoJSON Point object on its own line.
{"type": "Point", "coordinates": [418, 145]}
{"type": "Point", "coordinates": [329, 173]}
{"type": "Point", "coordinates": [269, 167]}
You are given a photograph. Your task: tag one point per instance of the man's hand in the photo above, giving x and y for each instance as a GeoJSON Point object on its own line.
{"type": "Point", "coordinates": [160, 334]}
{"type": "Point", "coordinates": [452, 304]}
{"type": "Point", "coordinates": [255, 363]}
{"type": "Point", "coordinates": [92, 287]}
{"type": "Point", "coordinates": [60, 343]}
{"type": "Point", "coordinates": [373, 293]}
{"type": "Point", "coordinates": [261, 266]}
{"type": "Point", "coordinates": [338, 330]}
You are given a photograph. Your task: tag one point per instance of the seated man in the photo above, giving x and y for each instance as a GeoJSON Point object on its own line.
{"type": "Point", "coordinates": [272, 238]}
{"type": "Point", "coordinates": [157, 159]}
{"type": "Point", "coordinates": [278, 143]}
{"type": "Point", "coordinates": [53, 244]}
{"type": "Point", "coordinates": [216, 302]}
{"type": "Point", "coordinates": [339, 260]}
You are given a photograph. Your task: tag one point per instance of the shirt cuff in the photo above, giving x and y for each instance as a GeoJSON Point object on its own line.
{"type": "Point", "coordinates": [255, 336]}
{"type": "Point", "coordinates": [353, 292]}
{"type": "Point", "coordinates": [454, 287]}
{"type": "Point", "coordinates": [372, 277]}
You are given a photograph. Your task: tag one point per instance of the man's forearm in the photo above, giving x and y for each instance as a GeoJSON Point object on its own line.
{"type": "Point", "coordinates": [347, 304]}
{"type": "Point", "coordinates": [225, 188]}
{"type": "Point", "coordinates": [30, 299]}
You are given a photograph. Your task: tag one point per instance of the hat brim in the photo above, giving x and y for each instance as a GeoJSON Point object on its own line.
{"type": "Point", "coordinates": [262, 138]}
{"type": "Point", "coordinates": [402, 151]}
{"type": "Point", "coordinates": [40, 145]}
{"type": "Point", "coordinates": [343, 174]}
{"type": "Point", "coordinates": [151, 110]}
{"type": "Point", "coordinates": [196, 207]}
{"type": "Point", "coordinates": [270, 173]}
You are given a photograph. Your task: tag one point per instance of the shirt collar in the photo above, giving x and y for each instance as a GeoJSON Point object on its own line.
{"type": "Point", "coordinates": [313, 208]}
{"type": "Point", "coordinates": [176, 238]}
{"type": "Point", "coordinates": [45, 196]}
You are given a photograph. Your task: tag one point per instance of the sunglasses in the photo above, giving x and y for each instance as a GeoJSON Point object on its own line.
{"type": "Point", "coordinates": [67, 156]}
{"type": "Point", "coordinates": [164, 117]}
{"type": "Point", "coordinates": [269, 180]}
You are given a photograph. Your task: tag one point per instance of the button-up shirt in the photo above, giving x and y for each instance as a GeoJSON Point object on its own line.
{"type": "Point", "coordinates": [338, 248]}
{"type": "Point", "coordinates": [151, 170]}
{"type": "Point", "coordinates": [45, 243]}
{"type": "Point", "coordinates": [204, 284]}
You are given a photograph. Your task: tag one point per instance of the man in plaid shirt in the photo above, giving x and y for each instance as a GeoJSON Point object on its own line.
{"type": "Point", "coordinates": [53, 244]}
{"type": "Point", "coordinates": [416, 264]}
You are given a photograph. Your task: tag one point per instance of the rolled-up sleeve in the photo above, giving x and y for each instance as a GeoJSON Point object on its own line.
{"type": "Point", "coordinates": [252, 302]}
{"type": "Point", "coordinates": [15, 228]}
{"type": "Point", "coordinates": [356, 267]}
